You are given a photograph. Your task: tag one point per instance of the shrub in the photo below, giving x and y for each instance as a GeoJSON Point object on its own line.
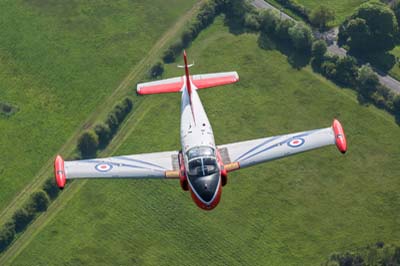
{"type": "Point", "coordinates": [103, 133]}
{"type": "Point", "coordinates": [112, 122]}
{"type": "Point", "coordinates": [39, 201]}
{"type": "Point", "coordinates": [297, 8]}
{"type": "Point", "coordinates": [88, 143]}
{"type": "Point", "coordinates": [268, 21]}
{"type": "Point", "coordinates": [346, 71]}
{"type": "Point", "coordinates": [128, 104]}
{"type": "Point", "coordinates": [367, 81]}
{"type": "Point", "coordinates": [22, 218]}
{"type": "Point", "coordinates": [168, 56]}
{"type": "Point", "coordinates": [51, 188]}
{"type": "Point", "coordinates": [156, 70]}
{"type": "Point", "coordinates": [251, 22]}
{"type": "Point", "coordinates": [318, 50]}
{"type": "Point", "coordinates": [301, 37]}
{"type": "Point", "coordinates": [396, 104]}
{"type": "Point", "coordinates": [7, 234]}
{"type": "Point", "coordinates": [119, 112]}
{"type": "Point", "coordinates": [282, 29]}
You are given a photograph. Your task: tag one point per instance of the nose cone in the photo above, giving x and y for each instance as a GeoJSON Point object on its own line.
{"type": "Point", "coordinates": [205, 187]}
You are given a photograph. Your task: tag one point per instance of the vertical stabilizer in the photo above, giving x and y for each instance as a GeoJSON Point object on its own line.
{"type": "Point", "coordinates": [188, 85]}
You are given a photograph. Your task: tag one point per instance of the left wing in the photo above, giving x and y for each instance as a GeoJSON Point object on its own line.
{"type": "Point", "coordinates": [247, 153]}
{"type": "Point", "coordinates": [148, 165]}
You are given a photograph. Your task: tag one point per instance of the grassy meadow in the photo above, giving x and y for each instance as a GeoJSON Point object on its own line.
{"type": "Point", "coordinates": [294, 211]}
{"type": "Point", "coordinates": [58, 61]}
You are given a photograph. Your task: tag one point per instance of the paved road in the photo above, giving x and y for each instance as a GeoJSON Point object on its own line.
{"type": "Point", "coordinates": [384, 79]}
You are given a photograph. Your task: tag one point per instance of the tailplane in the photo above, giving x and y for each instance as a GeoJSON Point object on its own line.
{"type": "Point", "coordinates": [202, 81]}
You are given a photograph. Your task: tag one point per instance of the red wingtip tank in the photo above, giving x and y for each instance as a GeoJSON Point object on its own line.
{"type": "Point", "coordinates": [59, 172]}
{"type": "Point", "coordinates": [340, 137]}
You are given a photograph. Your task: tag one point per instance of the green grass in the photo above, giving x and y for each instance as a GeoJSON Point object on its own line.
{"type": "Point", "coordinates": [294, 211]}
{"type": "Point", "coordinates": [58, 61]}
{"type": "Point", "coordinates": [342, 8]}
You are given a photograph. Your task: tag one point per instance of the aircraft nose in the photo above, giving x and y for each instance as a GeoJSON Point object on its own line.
{"type": "Point", "coordinates": [206, 186]}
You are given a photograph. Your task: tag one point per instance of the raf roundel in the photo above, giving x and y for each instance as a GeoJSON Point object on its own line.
{"type": "Point", "coordinates": [103, 167]}
{"type": "Point", "coordinates": [296, 142]}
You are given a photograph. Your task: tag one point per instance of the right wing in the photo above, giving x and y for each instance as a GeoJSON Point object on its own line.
{"type": "Point", "coordinates": [247, 153]}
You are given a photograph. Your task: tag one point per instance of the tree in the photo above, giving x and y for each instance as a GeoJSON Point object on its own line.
{"type": "Point", "coordinates": [112, 122]}
{"type": "Point", "coordinates": [22, 218]}
{"type": "Point", "coordinates": [346, 70]}
{"type": "Point", "coordinates": [51, 188]}
{"type": "Point", "coordinates": [87, 144]}
{"type": "Point", "coordinates": [321, 16]}
{"type": "Point", "coordinates": [103, 133]}
{"type": "Point", "coordinates": [367, 81]}
{"type": "Point", "coordinates": [282, 29]}
{"type": "Point", "coordinates": [268, 21]}
{"type": "Point", "coordinates": [156, 70]}
{"type": "Point", "coordinates": [7, 234]}
{"type": "Point", "coordinates": [396, 109]}
{"type": "Point", "coordinates": [318, 50]}
{"type": "Point", "coordinates": [372, 28]}
{"type": "Point", "coordinates": [396, 11]}
{"type": "Point", "coordinates": [301, 37]}
{"type": "Point", "coordinates": [39, 201]}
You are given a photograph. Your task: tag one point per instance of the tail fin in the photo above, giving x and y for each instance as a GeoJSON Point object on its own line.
{"type": "Point", "coordinates": [188, 84]}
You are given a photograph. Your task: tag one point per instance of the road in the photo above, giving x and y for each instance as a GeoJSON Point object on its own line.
{"type": "Point", "coordinates": [384, 79]}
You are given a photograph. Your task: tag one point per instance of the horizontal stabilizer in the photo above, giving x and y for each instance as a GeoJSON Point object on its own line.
{"type": "Point", "coordinates": [161, 86]}
{"type": "Point", "coordinates": [215, 79]}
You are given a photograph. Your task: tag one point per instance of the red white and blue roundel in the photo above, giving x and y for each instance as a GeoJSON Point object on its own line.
{"type": "Point", "coordinates": [103, 167]}
{"type": "Point", "coordinates": [296, 142]}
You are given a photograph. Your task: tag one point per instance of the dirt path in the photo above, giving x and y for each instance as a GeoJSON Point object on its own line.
{"type": "Point", "coordinates": [124, 87]}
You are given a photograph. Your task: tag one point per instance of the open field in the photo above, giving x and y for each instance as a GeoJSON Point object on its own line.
{"type": "Point", "coordinates": [295, 211]}
{"type": "Point", "coordinates": [59, 60]}
{"type": "Point", "coordinates": [342, 8]}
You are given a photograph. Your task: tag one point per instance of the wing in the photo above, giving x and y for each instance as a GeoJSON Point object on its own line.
{"type": "Point", "coordinates": [148, 165]}
{"type": "Point", "coordinates": [176, 84]}
{"type": "Point", "coordinates": [247, 153]}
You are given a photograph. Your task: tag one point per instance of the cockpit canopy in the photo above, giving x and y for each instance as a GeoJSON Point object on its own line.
{"type": "Point", "coordinates": [201, 161]}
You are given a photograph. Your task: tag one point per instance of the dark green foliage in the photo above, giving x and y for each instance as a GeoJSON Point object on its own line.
{"type": "Point", "coordinates": [103, 132]}
{"type": "Point", "coordinates": [168, 56]}
{"type": "Point", "coordinates": [88, 143]}
{"type": "Point", "coordinates": [119, 112]}
{"type": "Point", "coordinates": [301, 37]}
{"type": "Point", "coordinates": [39, 201]}
{"type": "Point", "coordinates": [6, 109]}
{"type": "Point", "coordinates": [282, 29]}
{"type": "Point", "coordinates": [112, 122]}
{"type": "Point", "coordinates": [346, 71]}
{"type": "Point", "coordinates": [297, 8]}
{"type": "Point", "coordinates": [22, 218]}
{"type": "Point", "coordinates": [372, 28]}
{"type": "Point", "coordinates": [367, 81]}
{"type": "Point", "coordinates": [396, 104]}
{"type": "Point", "coordinates": [396, 11]}
{"type": "Point", "coordinates": [378, 254]}
{"type": "Point", "coordinates": [51, 188]}
{"type": "Point", "coordinates": [7, 234]}
{"type": "Point", "coordinates": [318, 50]}
{"type": "Point", "coordinates": [156, 70]}
{"type": "Point", "coordinates": [251, 22]}
{"type": "Point", "coordinates": [321, 16]}
{"type": "Point", "coordinates": [128, 104]}
{"type": "Point", "coordinates": [268, 21]}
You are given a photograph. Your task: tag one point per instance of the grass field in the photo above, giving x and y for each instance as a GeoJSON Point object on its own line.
{"type": "Point", "coordinates": [58, 61]}
{"type": "Point", "coordinates": [342, 8]}
{"type": "Point", "coordinates": [295, 211]}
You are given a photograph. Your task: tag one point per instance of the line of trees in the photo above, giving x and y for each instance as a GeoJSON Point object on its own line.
{"type": "Point", "coordinates": [98, 138]}
{"type": "Point", "coordinates": [378, 254]}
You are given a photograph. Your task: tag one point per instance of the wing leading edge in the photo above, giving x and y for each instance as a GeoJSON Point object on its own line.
{"type": "Point", "coordinates": [247, 153]}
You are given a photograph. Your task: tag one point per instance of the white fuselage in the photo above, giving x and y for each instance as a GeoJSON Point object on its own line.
{"type": "Point", "coordinates": [195, 128]}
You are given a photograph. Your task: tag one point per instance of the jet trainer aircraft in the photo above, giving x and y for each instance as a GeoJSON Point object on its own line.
{"type": "Point", "coordinates": [201, 166]}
